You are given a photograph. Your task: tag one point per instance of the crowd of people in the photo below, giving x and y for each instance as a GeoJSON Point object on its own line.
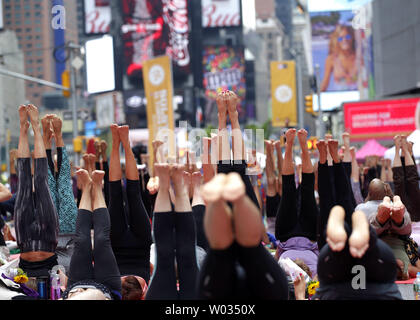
{"type": "Point", "coordinates": [174, 231]}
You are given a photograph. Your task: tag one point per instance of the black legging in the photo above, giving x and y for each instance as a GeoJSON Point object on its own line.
{"type": "Point", "coordinates": [130, 229]}
{"type": "Point", "coordinates": [290, 221]}
{"type": "Point", "coordinates": [36, 219]}
{"type": "Point", "coordinates": [51, 162]}
{"type": "Point", "coordinates": [174, 237]}
{"type": "Point", "coordinates": [105, 268]}
{"type": "Point", "coordinates": [198, 212]}
{"type": "Point", "coordinates": [378, 261]}
{"type": "Point", "coordinates": [341, 188]}
{"type": "Point", "coordinates": [272, 205]}
{"type": "Point", "coordinates": [264, 279]}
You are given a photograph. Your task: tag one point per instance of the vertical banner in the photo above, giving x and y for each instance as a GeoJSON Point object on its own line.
{"type": "Point", "coordinates": [157, 77]}
{"type": "Point", "coordinates": [283, 93]}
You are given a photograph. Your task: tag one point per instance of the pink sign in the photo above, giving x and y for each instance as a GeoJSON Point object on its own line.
{"type": "Point", "coordinates": [381, 118]}
{"type": "Point", "coordinates": [220, 13]}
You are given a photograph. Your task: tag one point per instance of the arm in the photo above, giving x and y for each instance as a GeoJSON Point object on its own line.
{"type": "Point", "coordinates": [5, 194]}
{"type": "Point", "coordinates": [328, 70]}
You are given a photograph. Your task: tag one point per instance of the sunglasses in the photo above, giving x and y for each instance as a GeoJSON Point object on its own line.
{"type": "Point", "coordinates": [346, 37]}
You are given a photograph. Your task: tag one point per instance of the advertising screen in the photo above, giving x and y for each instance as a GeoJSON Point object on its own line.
{"type": "Point", "coordinates": [223, 68]}
{"type": "Point", "coordinates": [153, 28]}
{"type": "Point", "coordinates": [343, 50]}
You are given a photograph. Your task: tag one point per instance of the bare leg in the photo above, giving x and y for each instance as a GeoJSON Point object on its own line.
{"type": "Point", "coordinates": [182, 200]}
{"type": "Point", "coordinates": [397, 157]}
{"type": "Point", "coordinates": [355, 172]}
{"type": "Point", "coordinates": [406, 151]}
{"type": "Point", "coordinates": [85, 183]}
{"type": "Point", "coordinates": [23, 147]}
{"type": "Point", "coordinates": [57, 125]}
{"type": "Point", "coordinates": [336, 235]}
{"type": "Point", "coordinates": [223, 136]}
{"type": "Point", "coordinates": [131, 171]}
{"type": "Point", "coordinates": [307, 166]}
{"type": "Point", "coordinates": [277, 145]}
{"type": "Point", "coordinates": [238, 145]}
{"type": "Point", "coordinates": [115, 172]}
{"type": "Point", "coordinates": [163, 202]}
{"type": "Point", "coordinates": [333, 150]}
{"type": "Point", "coordinates": [196, 184]}
{"type": "Point", "coordinates": [47, 132]}
{"type": "Point", "coordinates": [104, 146]}
{"type": "Point", "coordinates": [218, 217]}
{"type": "Point", "coordinates": [188, 184]}
{"type": "Point", "coordinates": [288, 167]}
{"type": "Point", "coordinates": [97, 194]}
{"type": "Point", "coordinates": [269, 169]}
{"type": "Point", "coordinates": [39, 148]}
{"type": "Point", "coordinates": [359, 238]}
{"type": "Point", "coordinates": [346, 143]}
{"type": "Point", "coordinates": [247, 218]}
{"type": "Point", "coordinates": [329, 137]}
{"type": "Point", "coordinates": [208, 170]}
{"type": "Point", "coordinates": [98, 150]}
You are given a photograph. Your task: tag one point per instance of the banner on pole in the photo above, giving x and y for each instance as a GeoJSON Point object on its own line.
{"type": "Point", "coordinates": [283, 93]}
{"type": "Point", "coordinates": [157, 77]}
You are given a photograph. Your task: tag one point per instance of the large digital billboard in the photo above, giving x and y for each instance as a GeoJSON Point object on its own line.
{"type": "Point", "coordinates": [153, 28]}
{"type": "Point", "coordinates": [223, 68]}
{"type": "Point", "coordinates": [97, 16]}
{"type": "Point", "coordinates": [343, 50]}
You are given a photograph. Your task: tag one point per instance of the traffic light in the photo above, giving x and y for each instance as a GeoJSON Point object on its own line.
{"type": "Point", "coordinates": [309, 104]}
{"type": "Point", "coordinates": [312, 143]}
{"type": "Point", "coordinates": [65, 82]}
{"type": "Point", "coordinates": [78, 144]}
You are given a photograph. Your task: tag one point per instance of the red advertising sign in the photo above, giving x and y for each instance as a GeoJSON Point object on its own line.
{"type": "Point", "coordinates": [382, 118]}
{"type": "Point", "coordinates": [220, 13]}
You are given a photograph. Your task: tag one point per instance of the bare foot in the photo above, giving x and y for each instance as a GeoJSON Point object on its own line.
{"type": "Point", "coordinates": [359, 238]}
{"type": "Point", "coordinates": [290, 137]}
{"type": "Point", "coordinates": [221, 101]}
{"type": "Point", "coordinates": [398, 210]}
{"type": "Point", "coordinates": [212, 190]}
{"type": "Point", "coordinates": [57, 124]}
{"type": "Point", "coordinates": [23, 118]}
{"type": "Point", "coordinates": [336, 234]}
{"type": "Point", "coordinates": [97, 177]}
{"type": "Point", "coordinates": [232, 104]}
{"type": "Point", "coordinates": [162, 172]}
{"type": "Point", "coordinates": [346, 140]}
{"type": "Point", "coordinates": [153, 185]}
{"type": "Point", "coordinates": [303, 137]}
{"type": "Point", "coordinates": [92, 160]}
{"type": "Point", "coordinates": [86, 164]}
{"type": "Point", "coordinates": [97, 146]}
{"type": "Point", "coordinates": [234, 188]}
{"type": "Point", "coordinates": [103, 147]}
{"type": "Point", "coordinates": [333, 149]}
{"type": "Point", "coordinates": [33, 115]}
{"type": "Point", "coordinates": [115, 135]}
{"type": "Point", "coordinates": [123, 131]}
{"type": "Point", "coordinates": [157, 150]}
{"type": "Point", "coordinates": [84, 181]}
{"type": "Point", "coordinates": [47, 131]}
{"type": "Point", "coordinates": [384, 210]}
{"type": "Point", "coordinates": [188, 183]}
{"type": "Point", "coordinates": [322, 150]}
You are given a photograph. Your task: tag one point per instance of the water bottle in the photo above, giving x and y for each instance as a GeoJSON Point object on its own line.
{"type": "Point", "coordinates": [416, 287]}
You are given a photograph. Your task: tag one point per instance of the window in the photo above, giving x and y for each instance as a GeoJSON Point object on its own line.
{"type": "Point", "coordinates": [18, 29]}
{"type": "Point", "coordinates": [37, 21]}
{"type": "Point", "coordinates": [28, 29]}
{"type": "Point", "coordinates": [29, 37]}
{"type": "Point", "coordinates": [27, 14]}
{"type": "Point", "coordinates": [39, 69]}
{"type": "Point", "coordinates": [30, 70]}
{"type": "Point", "coordinates": [37, 29]}
{"type": "Point", "coordinates": [30, 61]}
{"type": "Point", "coordinates": [37, 37]}
{"type": "Point", "coordinates": [35, 95]}
{"type": "Point", "coordinates": [30, 85]}
{"type": "Point", "coordinates": [29, 53]}
{"type": "Point", "coordinates": [38, 60]}
{"type": "Point", "coordinates": [39, 53]}
{"type": "Point", "coordinates": [38, 45]}
{"type": "Point", "coordinates": [38, 14]}
{"type": "Point", "coordinates": [29, 45]}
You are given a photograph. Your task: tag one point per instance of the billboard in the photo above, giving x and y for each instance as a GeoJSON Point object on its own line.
{"type": "Point", "coordinates": [383, 118]}
{"type": "Point", "coordinates": [342, 48]}
{"type": "Point", "coordinates": [220, 13]}
{"type": "Point", "coordinates": [153, 28]}
{"type": "Point", "coordinates": [100, 65]}
{"type": "Point", "coordinates": [97, 16]}
{"type": "Point", "coordinates": [223, 68]}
